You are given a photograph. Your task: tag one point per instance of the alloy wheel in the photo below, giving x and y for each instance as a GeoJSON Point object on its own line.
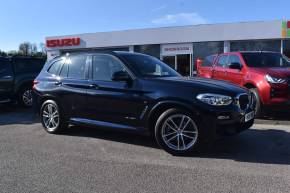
{"type": "Point", "coordinates": [179, 132]}
{"type": "Point", "coordinates": [27, 98]}
{"type": "Point", "coordinates": [50, 117]}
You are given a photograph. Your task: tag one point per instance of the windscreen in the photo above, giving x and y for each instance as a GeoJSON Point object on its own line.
{"type": "Point", "coordinates": [148, 66]}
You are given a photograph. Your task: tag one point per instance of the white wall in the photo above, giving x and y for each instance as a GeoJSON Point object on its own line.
{"type": "Point", "coordinates": [197, 33]}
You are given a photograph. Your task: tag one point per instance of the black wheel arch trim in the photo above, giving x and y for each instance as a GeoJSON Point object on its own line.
{"type": "Point", "coordinates": [169, 104]}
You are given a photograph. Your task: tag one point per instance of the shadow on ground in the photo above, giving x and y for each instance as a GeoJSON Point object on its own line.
{"type": "Point", "coordinates": [13, 114]}
{"type": "Point", "coordinates": [255, 145]}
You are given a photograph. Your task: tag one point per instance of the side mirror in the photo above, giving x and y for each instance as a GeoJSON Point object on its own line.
{"type": "Point", "coordinates": [121, 76]}
{"type": "Point", "coordinates": [234, 65]}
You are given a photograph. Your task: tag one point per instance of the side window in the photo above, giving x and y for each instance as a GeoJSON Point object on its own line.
{"type": "Point", "coordinates": [55, 67]}
{"type": "Point", "coordinates": [208, 61]}
{"type": "Point", "coordinates": [5, 69]}
{"type": "Point", "coordinates": [234, 59]}
{"type": "Point", "coordinates": [223, 61]}
{"type": "Point", "coordinates": [64, 70]}
{"type": "Point", "coordinates": [104, 66]}
{"type": "Point", "coordinates": [76, 66]}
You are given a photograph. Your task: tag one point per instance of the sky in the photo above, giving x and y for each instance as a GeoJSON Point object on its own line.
{"type": "Point", "coordinates": [33, 20]}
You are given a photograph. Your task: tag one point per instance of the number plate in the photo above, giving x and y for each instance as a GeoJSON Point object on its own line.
{"type": "Point", "coordinates": [249, 116]}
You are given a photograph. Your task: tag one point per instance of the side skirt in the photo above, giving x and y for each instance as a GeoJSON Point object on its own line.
{"type": "Point", "coordinates": [121, 127]}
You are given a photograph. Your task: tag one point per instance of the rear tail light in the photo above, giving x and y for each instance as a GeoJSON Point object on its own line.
{"type": "Point", "coordinates": [35, 82]}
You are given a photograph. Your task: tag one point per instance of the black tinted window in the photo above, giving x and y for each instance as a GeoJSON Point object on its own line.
{"type": "Point", "coordinates": [104, 66]}
{"type": "Point", "coordinates": [223, 61]}
{"type": "Point", "coordinates": [76, 66]}
{"type": "Point", "coordinates": [28, 65]}
{"type": "Point", "coordinates": [266, 60]}
{"type": "Point", "coordinates": [5, 69]}
{"type": "Point", "coordinates": [208, 61]}
{"type": "Point", "coordinates": [148, 66]}
{"type": "Point", "coordinates": [55, 67]}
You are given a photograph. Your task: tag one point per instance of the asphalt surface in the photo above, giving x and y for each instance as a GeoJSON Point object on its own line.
{"type": "Point", "coordinates": [93, 160]}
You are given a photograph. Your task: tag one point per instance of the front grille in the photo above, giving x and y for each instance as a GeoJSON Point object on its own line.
{"type": "Point", "coordinates": [244, 101]}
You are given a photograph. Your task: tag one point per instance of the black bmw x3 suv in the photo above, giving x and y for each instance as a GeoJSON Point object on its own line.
{"type": "Point", "coordinates": [137, 92]}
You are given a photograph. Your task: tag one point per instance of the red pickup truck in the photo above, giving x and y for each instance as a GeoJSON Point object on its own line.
{"type": "Point", "coordinates": [266, 74]}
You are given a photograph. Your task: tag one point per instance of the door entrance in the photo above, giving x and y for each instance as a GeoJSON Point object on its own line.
{"type": "Point", "coordinates": [182, 63]}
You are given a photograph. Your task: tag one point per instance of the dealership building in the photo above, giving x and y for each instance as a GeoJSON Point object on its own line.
{"type": "Point", "coordinates": [179, 47]}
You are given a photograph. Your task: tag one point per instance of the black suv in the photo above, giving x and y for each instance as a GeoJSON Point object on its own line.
{"type": "Point", "coordinates": [16, 78]}
{"type": "Point", "coordinates": [136, 92]}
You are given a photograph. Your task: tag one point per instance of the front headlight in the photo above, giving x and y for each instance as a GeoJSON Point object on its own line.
{"type": "Point", "coordinates": [215, 99]}
{"type": "Point", "coordinates": [275, 80]}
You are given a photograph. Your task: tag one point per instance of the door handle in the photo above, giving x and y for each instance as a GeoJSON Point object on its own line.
{"type": "Point", "coordinates": [6, 77]}
{"type": "Point", "coordinates": [94, 86]}
{"type": "Point", "coordinates": [58, 83]}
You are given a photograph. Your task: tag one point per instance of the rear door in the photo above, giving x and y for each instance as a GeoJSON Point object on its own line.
{"type": "Point", "coordinates": [6, 80]}
{"type": "Point", "coordinates": [110, 101]}
{"type": "Point", "coordinates": [220, 67]}
{"type": "Point", "coordinates": [72, 85]}
{"type": "Point", "coordinates": [235, 75]}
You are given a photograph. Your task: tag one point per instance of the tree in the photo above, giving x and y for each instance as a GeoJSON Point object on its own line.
{"type": "Point", "coordinates": [25, 48]}
{"type": "Point", "coordinates": [3, 53]}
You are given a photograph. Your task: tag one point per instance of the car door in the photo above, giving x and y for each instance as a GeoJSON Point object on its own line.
{"type": "Point", "coordinates": [235, 75]}
{"type": "Point", "coordinates": [219, 70]}
{"type": "Point", "coordinates": [6, 80]}
{"type": "Point", "coordinates": [206, 67]}
{"type": "Point", "coordinates": [72, 85]}
{"type": "Point", "coordinates": [110, 101]}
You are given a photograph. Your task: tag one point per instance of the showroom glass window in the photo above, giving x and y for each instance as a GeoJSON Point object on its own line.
{"type": "Point", "coordinates": [76, 66]}
{"type": "Point", "coordinates": [256, 45]}
{"type": "Point", "coordinates": [104, 66]}
{"type": "Point", "coordinates": [152, 50]}
{"type": "Point", "coordinates": [203, 49]}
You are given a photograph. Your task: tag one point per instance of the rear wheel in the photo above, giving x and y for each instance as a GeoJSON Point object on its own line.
{"type": "Point", "coordinates": [178, 133]}
{"type": "Point", "coordinates": [51, 117]}
{"type": "Point", "coordinates": [25, 97]}
{"type": "Point", "coordinates": [259, 106]}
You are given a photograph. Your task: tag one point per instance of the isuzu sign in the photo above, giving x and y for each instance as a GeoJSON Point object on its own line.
{"type": "Point", "coordinates": [64, 42]}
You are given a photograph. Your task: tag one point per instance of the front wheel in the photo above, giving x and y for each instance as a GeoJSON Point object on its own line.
{"type": "Point", "coordinates": [51, 117]}
{"type": "Point", "coordinates": [177, 132]}
{"type": "Point", "coordinates": [259, 106]}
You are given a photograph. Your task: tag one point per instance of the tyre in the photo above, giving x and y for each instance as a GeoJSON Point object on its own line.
{"type": "Point", "coordinates": [178, 132]}
{"type": "Point", "coordinates": [259, 106]}
{"type": "Point", "coordinates": [51, 118]}
{"type": "Point", "coordinates": [25, 98]}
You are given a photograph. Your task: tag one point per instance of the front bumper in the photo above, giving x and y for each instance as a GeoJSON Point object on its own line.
{"type": "Point", "coordinates": [233, 123]}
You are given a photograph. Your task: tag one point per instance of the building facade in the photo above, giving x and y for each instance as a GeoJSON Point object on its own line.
{"type": "Point", "coordinates": [179, 47]}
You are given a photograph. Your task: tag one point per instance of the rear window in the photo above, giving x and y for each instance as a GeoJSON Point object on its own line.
{"type": "Point", "coordinates": [208, 61]}
{"type": "Point", "coordinates": [266, 60]}
{"type": "Point", "coordinates": [55, 67]}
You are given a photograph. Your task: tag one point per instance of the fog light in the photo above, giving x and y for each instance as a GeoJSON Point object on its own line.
{"type": "Point", "coordinates": [222, 117]}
